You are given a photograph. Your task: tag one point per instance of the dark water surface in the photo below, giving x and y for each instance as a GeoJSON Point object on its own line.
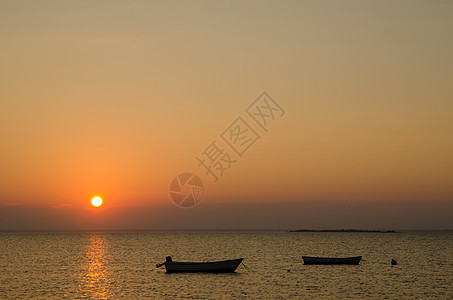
{"type": "Point", "coordinates": [122, 265]}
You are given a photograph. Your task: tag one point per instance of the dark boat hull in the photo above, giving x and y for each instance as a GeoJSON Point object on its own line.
{"type": "Point", "coordinates": [225, 266]}
{"type": "Point", "coordinates": [308, 260]}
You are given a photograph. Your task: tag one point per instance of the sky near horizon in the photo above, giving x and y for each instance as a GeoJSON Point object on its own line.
{"type": "Point", "coordinates": [116, 98]}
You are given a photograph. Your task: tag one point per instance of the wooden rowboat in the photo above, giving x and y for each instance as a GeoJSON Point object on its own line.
{"type": "Point", "coordinates": [224, 266]}
{"type": "Point", "coordinates": [308, 260]}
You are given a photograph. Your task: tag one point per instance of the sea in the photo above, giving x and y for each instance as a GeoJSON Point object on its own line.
{"type": "Point", "coordinates": [100, 265]}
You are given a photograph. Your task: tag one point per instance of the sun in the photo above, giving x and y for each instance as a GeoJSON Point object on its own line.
{"type": "Point", "coordinates": [96, 201]}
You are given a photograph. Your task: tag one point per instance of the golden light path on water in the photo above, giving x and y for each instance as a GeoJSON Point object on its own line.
{"type": "Point", "coordinates": [94, 270]}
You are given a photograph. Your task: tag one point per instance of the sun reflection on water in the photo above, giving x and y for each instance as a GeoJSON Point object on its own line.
{"type": "Point", "coordinates": [94, 271]}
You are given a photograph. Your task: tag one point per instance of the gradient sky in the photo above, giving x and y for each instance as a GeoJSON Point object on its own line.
{"type": "Point", "coordinates": [115, 98]}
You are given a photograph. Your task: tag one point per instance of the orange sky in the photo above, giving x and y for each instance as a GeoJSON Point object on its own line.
{"type": "Point", "coordinates": [116, 98]}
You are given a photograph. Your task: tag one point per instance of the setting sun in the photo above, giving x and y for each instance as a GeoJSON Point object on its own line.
{"type": "Point", "coordinates": [96, 201]}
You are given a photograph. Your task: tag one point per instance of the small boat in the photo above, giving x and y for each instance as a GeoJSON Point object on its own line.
{"type": "Point", "coordinates": [224, 266]}
{"type": "Point", "coordinates": [308, 260]}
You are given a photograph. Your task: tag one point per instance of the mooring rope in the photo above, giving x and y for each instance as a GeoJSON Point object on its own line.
{"type": "Point", "coordinates": [245, 266]}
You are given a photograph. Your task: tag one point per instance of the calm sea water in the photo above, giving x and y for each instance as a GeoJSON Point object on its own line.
{"type": "Point", "coordinates": [122, 265]}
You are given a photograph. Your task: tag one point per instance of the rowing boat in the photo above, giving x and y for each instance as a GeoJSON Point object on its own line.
{"type": "Point", "coordinates": [309, 260]}
{"type": "Point", "coordinates": [224, 266]}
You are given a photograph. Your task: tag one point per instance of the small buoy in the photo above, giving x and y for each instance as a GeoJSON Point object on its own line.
{"type": "Point", "coordinates": [394, 262]}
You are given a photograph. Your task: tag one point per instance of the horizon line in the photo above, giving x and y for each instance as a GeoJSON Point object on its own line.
{"type": "Point", "coordinates": [225, 230]}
